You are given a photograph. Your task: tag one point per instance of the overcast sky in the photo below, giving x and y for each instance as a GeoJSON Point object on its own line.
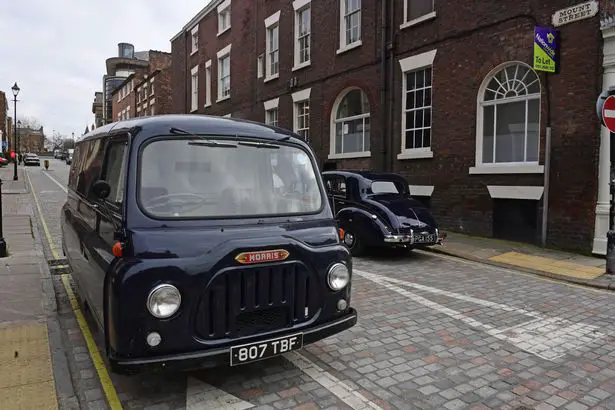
{"type": "Point", "coordinates": [56, 50]}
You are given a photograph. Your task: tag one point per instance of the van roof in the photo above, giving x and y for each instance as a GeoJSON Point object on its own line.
{"type": "Point", "coordinates": [193, 124]}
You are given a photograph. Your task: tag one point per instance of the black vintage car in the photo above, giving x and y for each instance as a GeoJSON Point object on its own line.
{"type": "Point", "coordinates": [376, 209]}
{"type": "Point", "coordinates": [200, 241]}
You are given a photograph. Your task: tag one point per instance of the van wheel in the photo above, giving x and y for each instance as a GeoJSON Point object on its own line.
{"type": "Point", "coordinates": [353, 243]}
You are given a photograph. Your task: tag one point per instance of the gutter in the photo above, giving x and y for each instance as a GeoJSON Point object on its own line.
{"type": "Point", "coordinates": [383, 78]}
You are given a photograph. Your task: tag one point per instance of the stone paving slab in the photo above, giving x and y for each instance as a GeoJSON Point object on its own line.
{"type": "Point", "coordinates": [564, 266]}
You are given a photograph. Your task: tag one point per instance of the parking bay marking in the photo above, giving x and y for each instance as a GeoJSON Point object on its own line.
{"type": "Point", "coordinates": [58, 183]}
{"type": "Point", "coordinates": [546, 337]}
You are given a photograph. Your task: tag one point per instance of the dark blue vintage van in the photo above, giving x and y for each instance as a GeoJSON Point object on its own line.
{"type": "Point", "coordinates": [200, 241]}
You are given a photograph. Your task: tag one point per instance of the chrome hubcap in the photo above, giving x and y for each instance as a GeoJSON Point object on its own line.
{"type": "Point", "coordinates": [349, 239]}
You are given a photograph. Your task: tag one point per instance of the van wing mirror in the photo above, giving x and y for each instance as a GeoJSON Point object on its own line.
{"type": "Point", "coordinates": [101, 189]}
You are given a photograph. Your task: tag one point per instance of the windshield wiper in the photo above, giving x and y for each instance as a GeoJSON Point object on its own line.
{"type": "Point", "coordinates": [259, 144]}
{"type": "Point", "coordinates": [207, 141]}
{"type": "Point", "coordinates": [212, 144]}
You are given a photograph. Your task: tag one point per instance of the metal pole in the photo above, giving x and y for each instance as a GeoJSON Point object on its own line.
{"type": "Point", "coordinates": [15, 178]}
{"type": "Point", "coordinates": [610, 236]}
{"type": "Point", "coordinates": [545, 195]}
{"type": "Point", "coordinates": [3, 251]}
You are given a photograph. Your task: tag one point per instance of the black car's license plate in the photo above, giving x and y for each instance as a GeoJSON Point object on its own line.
{"type": "Point", "coordinates": [424, 238]}
{"type": "Point", "coordinates": [265, 349]}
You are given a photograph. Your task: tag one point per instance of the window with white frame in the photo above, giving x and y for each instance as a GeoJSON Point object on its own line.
{"type": "Point", "coordinates": [350, 23]}
{"type": "Point", "coordinates": [194, 39]}
{"type": "Point", "coordinates": [224, 73]}
{"type": "Point", "coordinates": [271, 117]}
{"type": "Point", "coordinates": [509, 116]}
{"type": "Point", "coordinates": [224, 16]}
{"type": "Point", "coordinates": [303, 17]}
{"type": "Point", "coordinates": [416, 109]}
{"type": "Point", "coordinates": [208, 83]}
{"type": "Point", "coordinates": [301, 111]}
{"type": "Point", "coordinates": [350, 123]}
{"type": "Point", "coordinates": [272, 49]}
{"type": "Point", "coordinates": [194, 87]}
{"type": "Point", "coordinates": [260, 66]}
{"type": "Point", "coordinates": [271, 111]}
{"type": "Point", "coordinates": [418, 10]}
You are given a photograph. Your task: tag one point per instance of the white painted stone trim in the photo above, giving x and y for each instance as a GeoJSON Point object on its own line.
{"type": "Point", "coordinates": [271, 104]}
{"type": "Point", "coordinates": [224, 51]}
{"type": "Point", "coordinates": [223, 6]}
{"type": "Point", "coordinates": [301, 95]}
{"type": "Point", "coordinates": [515, 192]}
{"type": "Point", "coordinates": [273, 19]}
{"type": "Point", "coordinates": [299, 4]}
{"type": "Point", "coordinates": [418, 61]}
{"type": "Point", "coordinates": [421, 190]}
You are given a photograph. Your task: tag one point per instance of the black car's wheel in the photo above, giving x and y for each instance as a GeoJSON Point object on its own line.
{"type": "Point", "coordinates": [352, 241]}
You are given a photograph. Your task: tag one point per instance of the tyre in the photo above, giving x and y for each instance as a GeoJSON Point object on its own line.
{"type": "Point", "coordinates": [354, 243]}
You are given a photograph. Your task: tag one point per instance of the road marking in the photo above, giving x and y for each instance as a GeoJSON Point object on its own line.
{"type": "Point", "coordinates": [58, 183]}
{"type": "Point", "coordinates": [203, 396]}
{"type": "Point", "coordinates": [344, 392]}
{"type": "Point", "coordinates": [546, 337]}
{"type": "Point", "coordinates": [101, 369]}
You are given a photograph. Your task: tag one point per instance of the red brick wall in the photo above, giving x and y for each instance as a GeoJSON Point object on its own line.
{"type": "Point", "coordinates": [464, 57]}
{"type": "Point", "coordinates": [3, 116]}
{"type": "Point", "coordinates": [162, 92]}
{"type": "Point", "coordinates": [470, 42]}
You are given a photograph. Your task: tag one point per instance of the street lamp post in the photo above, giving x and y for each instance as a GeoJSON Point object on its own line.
{"type": "Point", "coordinates": [15, 90]}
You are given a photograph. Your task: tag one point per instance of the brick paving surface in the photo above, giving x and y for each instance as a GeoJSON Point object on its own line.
{"type": "Point", "coordinates": [434, 332]}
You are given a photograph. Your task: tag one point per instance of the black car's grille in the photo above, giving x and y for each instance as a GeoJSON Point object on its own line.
{"type": "Point", "coordinates": [249, 300]}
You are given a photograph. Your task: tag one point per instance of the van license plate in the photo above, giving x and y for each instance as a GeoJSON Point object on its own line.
{"type": "Point", "coordinates": [267, 348]}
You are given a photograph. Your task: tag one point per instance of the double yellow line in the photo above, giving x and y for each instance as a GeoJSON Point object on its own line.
{"type": "Point", "coordinates": [101, 369]}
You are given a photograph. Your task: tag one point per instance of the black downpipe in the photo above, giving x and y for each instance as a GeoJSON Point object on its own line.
{"type": "Point", "coordinates": [391, 53]}
{"type": "Point", "coordinates": [383, 78]}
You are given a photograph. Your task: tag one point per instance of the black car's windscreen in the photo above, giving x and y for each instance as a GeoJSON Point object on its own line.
{"type": "Point", "coordinates": [205, 178]}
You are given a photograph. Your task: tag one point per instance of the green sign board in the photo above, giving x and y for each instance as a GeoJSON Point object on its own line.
{"type": "Point", "coordinates": [546, 49]}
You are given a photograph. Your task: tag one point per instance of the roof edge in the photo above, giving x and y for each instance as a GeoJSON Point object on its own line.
{"type": "Point", "coordinates": [199, 16]}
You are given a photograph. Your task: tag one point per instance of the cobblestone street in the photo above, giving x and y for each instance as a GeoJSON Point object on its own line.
{"type": "Point", "coordinates": [434, 332]}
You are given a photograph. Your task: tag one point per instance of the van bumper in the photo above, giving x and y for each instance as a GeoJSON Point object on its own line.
{"type": "Point", "coordinates": [219, 357]}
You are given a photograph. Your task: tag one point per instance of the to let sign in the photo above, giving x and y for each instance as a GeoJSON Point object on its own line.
{"type": "Point", "coordinates": [608, 113]}
{"type": "Point", "coordinates": [575, 13]}
{"type": "Point", "coordinates": [546, 49]}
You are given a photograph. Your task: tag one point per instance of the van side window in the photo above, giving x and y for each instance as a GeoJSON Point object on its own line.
{"type": "Point", "coordinates": [115, 171]}
{"type": "Point", "coordinates": [73, 176]}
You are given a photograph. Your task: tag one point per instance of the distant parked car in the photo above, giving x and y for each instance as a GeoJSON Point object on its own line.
{"type": "Point", "coordinates": [31, 159]}
{"type": "Point", "coordinates": [376, 209]}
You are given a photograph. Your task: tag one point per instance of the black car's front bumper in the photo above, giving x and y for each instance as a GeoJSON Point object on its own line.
{"type": "Point", "coordinates": [220, 357]}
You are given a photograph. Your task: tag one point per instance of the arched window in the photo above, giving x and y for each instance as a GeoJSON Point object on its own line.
{"type": "Point", "coordinates": [509, 116]}
{"type": "Point", "coordinates": [350, 123]}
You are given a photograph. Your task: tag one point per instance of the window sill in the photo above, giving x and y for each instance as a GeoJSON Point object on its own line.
{"type": "Point", "coordinates": [207, 105]}
{"type": "Point", "coordinates": [350, 155]}
{"type": "Point", "coordinates": [223, 31]}
{"type": "Point", "coordinates": [194, 52]}
{"type": "Point", "coordinates": [507, 169]}
{"type": "Point", "coordinates": [194, 110]}
{"type": "Point", "coordinates": [418, 20]}
{"type": "Point", "coordinates": [220, 99]}
{"type": "Point", "coordinates": [302, 65]}
{"type": "Point", "coordinates": [273, 77]}
{"type": "Point", "coordinates": [349, 47]}
{"type": "Point", "coordinates": [424, 153]}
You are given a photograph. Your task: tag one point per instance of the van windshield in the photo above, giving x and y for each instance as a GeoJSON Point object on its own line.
{"type": "Point", "coordinates": [213, 177]}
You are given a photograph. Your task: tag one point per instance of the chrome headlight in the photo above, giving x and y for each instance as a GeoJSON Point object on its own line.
{"type": "Point", "coordinates": [338, 276]}
{"type": "Point", "coordinates": [163, 301]}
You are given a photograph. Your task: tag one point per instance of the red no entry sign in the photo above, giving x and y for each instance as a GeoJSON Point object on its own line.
{"type": "Point", "coordinates": [608, 113]}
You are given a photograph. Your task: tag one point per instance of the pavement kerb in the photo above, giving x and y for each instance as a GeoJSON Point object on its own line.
{"type": "Point", "coordinates": [470, 257]}
{"type": "Point", "coordinates": [61, 371]}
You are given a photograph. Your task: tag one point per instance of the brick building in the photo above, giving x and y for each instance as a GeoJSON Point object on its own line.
{"type": "Point", "coordinates": [97, 108]}
{"type": "Point", "coordinates": [146, 90]}
{"type": "Point", "coordinates": [361, 84]}
{"type": "Point", "coordinates": [30, 140]}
